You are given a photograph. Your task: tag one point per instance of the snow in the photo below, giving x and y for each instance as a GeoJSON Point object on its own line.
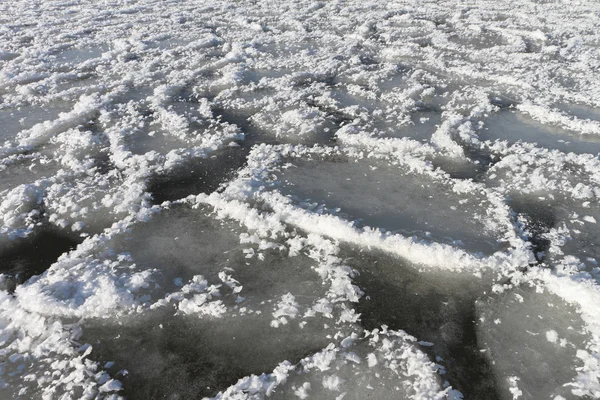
{"type": "Point", "coordinates": [271, 199]}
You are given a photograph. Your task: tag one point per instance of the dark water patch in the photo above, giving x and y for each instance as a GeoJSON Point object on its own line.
{"type": "Point", "coordinates": [21, 259]}
{"type": "Point", "coordinates": [539, 218]}
{"type": "Point", "coordinates": [201, 175]}
{"type": "Point", "coordinates": [503, 102]}
{"type": "Point", "coordinates": [242, 119]}
{"type": "Point", "coordinates": [434, 308]}
{"type": "Point", "coordinates": [475, 168]}
{"type": "Point", "coordinates": [460, 169]}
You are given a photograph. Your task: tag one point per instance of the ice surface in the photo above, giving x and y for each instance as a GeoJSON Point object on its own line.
{"type": "Point", "coordinates": [24, 169]}
{"type": "Point", "coordinates": [384, 365]}
{"type": "Point", "coordinates": [250, 200]}
{"type": "Point", "coordinates": [200, 352]}
{"type": "Point", "coordinates": [183, 356]}
{"type": "Point", "coordinates": [513, 126]}
{"type": "Point", "coordinates": [15, 119]}
{"type": "Point", "coordinates": [534, 336]}
{"type": "Point", "coordinates": [182, 243]}
{"type": "Point", "coordinates": [438, 308]}
{"type": "Point", "coordinates": [563, 231]}
{"type": "Point", "coordinates": [421, 126]}
{"type": "Point", "coordinates": [581, 111]}
{"type": "Point", "coordinates": [392, 199]}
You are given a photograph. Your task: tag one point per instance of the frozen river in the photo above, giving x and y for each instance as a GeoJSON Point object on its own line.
{"type": "Point", "coordinates": [299, 200]}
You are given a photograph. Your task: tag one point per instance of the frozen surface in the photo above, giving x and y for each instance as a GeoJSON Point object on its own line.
{"type": "Point", "coordinates": [311, 200]}
{"type": "Point", "coordinates": [439, 309]}
{"type": "Point", "coordinates": [384, 364]}
{"type": "Point", "coordinates": [533, 336]}
{"type": "Point", "coordinates": [394, 200]}
{"type": "Point", "coordinates": [182, 356]}
{"type": "Point", "coordinates": [513, 126]}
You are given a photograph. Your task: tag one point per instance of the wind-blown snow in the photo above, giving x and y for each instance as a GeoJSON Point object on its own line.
{"type": "Point", "coordinates": [276, 199]}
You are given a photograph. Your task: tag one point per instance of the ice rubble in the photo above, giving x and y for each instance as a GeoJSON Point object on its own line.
{"type": "Point", "coordinates": [267, 200]}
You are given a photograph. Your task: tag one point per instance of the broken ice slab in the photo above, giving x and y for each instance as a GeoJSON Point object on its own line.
{"type": "Point", "coordinates": [400, 110]}
{"type": "Point", "coordinates": [163, 131]}
{"type": "Point", "coordinates": [416, 125]}
{"type": "Point", "coordinates": [386, 196]}
{"type": "Point", "coordinates": [436, 307]}
{"type": "Point", "coordinates": [379, 364]}
{"type": "Point", "coordinates": [174, 126]}
{"type": "Point", "coordinates": [25, 169]}
{"type": "Point", "coordinates": [531, 339]}
{"type": "Point", "coordinates": [581, 246]}
{"type": "Point", "coordinates": [581, 111]}
{"type": "Point", "coordinates": [182, 243]}
{"type": "Point", "coordinates": [158, 354]}
{"type": "Point", "coordinates": [514, 126]}
{"type": "Point", "coordinates": [74, 56]}
{"type": "Point", "coordinates": [142, 142]}
{"type": "Point", "coordinates": [72, 86]}
{"type": "Point", "coordinates": [303, 124]}
{"type": "Point", "coordinates": [420, 126]}
{"type": "Point", "coordinates": [477, 38]}
{"type": "Point", "coordinates": [18, 118]}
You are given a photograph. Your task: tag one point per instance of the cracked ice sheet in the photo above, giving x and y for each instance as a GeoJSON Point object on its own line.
{"type": "Point", "coordinates": [256, 287]}
{"type": "Point", "coordinates": [146, 89]}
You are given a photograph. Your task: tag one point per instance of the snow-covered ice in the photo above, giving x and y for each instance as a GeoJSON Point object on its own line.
{"type": "Point", "coordinates": [309, 199]}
